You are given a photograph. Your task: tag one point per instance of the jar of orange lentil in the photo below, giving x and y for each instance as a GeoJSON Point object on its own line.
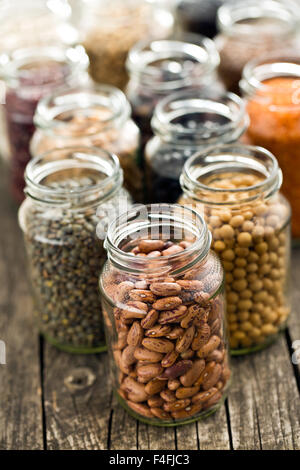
{"type": "Point", "coordinates": [236, 188]}
{"type": "Point", "coordinates": [272, 89]}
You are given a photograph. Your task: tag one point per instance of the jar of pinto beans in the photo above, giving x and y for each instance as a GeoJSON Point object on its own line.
{"type": "Point", "coordinates": [162, 296]}
{"type": "Point", "coordinates": [271, 87]}
{"type": "Point", "coordinates": [236, 188]}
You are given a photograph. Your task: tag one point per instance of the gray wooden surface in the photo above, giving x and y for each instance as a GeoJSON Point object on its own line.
{"type": "Point", "coordinates": [38, 410]}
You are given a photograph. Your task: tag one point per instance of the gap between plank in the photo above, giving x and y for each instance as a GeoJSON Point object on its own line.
{"type": "Point", "coordinates": [291, 351]}
{"type": "Point", "coordinates": [41, 356]}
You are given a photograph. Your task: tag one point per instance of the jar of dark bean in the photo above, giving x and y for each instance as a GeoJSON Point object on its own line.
{"type": "Point", "coordinates": [29, 74]}
{"type": "Point", "coordinates": [249, 29]}
{"type": "Point", "coordinates": [70, 192]}
{"type": "Point", "coordinates": [163, 306]}
{"type": "Point", "coordinates": [158, 68]}
{"type": "Point", "coordinates": [183, 123]}
{"type": "Point", "coordinates": [237, 189]}
{"type": "Point", "coordinates": [96, 115]}
{"type": "Point", "coordinates": [198, 16]}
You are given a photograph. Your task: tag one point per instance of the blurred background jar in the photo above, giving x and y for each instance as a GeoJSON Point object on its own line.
{"type": "Point", "coordinates": [71, 194]}
{"type": "Point", "coordinates": [164, 315]}
{"type": "Point", "coordinates": [237, 187]}
{"type": "Point", "coordinates": [29, 74]}
{"type": "Point", "coordinates": [249, 29]}
{"type": "Point", "coordinates": [108, 30]}
{"type": "Point", "coordinates": [158, 68]}
{"type": "Point", "coordinates": [31, 23]}
{"type": "Point", "coordinates": [183, 124]}
{"type": "Point", "coordinates": [95, 115]}
{"type": "Point", "coordinates": [271, 87]}
{"type": "Point", "coordinates": [198, 16]}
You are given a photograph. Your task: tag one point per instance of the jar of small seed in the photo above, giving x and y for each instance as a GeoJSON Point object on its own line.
{"type": "Point", "coordinates": [108, 30]}
{"type": "Point", "coordinates": [158, 68]}
{"type": "Point", "coordinates": [96, 115]}
{"type": "Point", "coordinates": [183, 123]}
{"type": "Point", "coordinates": [163, 306]}
{"type": "Point", "coordinates": [69, 194]}
{"type": "Point", "coordinates": [237, 190]}
{"type": "Point", "coordinates": [30, 74]}
{"type": "Point", "coordinates": [249, 29]}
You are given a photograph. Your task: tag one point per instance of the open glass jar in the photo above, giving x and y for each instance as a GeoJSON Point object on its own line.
{"type": "Point", "coordinates": [237, 189]}
{"type": "Point", "coordinates": [271, 87]}
{"type": "Point", "coordinates": [158, 68]}
{"type": "Point", "coordinates": [183, 124]}
{"type": "Point", "coordinates": [96, 115]}
{"type": "Point", "coordinates": [108, 30]}
{"type": "Point", "coordinates": [249, 29]}
{"type": "Point", "coordinates": [29, 74]}
{"type": "Point", "coordinates": [70, 193]}
{"type": "Point", "coordinates": [163, 305]}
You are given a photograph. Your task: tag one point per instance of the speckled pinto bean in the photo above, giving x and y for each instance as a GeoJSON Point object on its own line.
{"type": "Point", "coordinates": [170, 346]}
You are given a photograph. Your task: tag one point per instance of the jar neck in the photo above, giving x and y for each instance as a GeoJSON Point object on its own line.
{"type": "Point", "coordinates": [73, 178]}
{"type": "Point", "coordinates": [203, 170]}
{"type": "Point", "coordinates": [167, 66]}
{"type": "Point", "coordinates": [82, 111]}
{"type": "Point", "coordinates": [253, 20]}
{"type": "Point", "coordinates": [157, 221]}
{"type": "Point", "coordinates": [190, 119]}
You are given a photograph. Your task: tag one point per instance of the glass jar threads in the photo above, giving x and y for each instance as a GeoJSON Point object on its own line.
{"type": "Point", "coordinates": [108, 31]}
{"type": "Point", "coordinates": [237, 189]}
{"type": "Point", "coordinates": [96, 115]}
{"type": "Point", "coordinates": [271, 87]}
{"type": "Point", "coordinates": [249, 29]}
{"type": "Point", "coordinates": [184, 123]}
{"type": "Point", "coordinates": [30, 74]}
{"type": "Point", "coordinates": [70, 193]}
{"type": "Point", "coordinates": [158, 68]}
{"type": "Point", "coordinates": [162, 295]}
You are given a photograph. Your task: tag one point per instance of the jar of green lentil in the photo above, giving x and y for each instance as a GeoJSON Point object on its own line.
{"type": "Point", "coordinates": [236, 188]}
{"type": "Point", "coordinates": [70, 195]}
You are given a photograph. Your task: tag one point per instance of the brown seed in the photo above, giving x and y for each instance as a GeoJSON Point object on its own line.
{"type": "Point", "coordinates": [177, 405]}
{"type": "Point", "coordinates": [213, 400]}
{"type": "Point", "coordinates": [204, 396]}
{"type": "Point", "coordinates": [158, 331]}
{"type": "Point", "coordinates": [172, 316]}
{"type": "Point", "coordinates": [186, 392]}
{"type": "Point", "coordinates": [158, 345]}
{"type": "Point", "coordinates": [142, 295]}
{"type": "Point", "coordinates": [149, 371]}
{"type": "Point", "coordinates": [146, 246]}
{"type": "Point", "coordinates": [135, 334]}
{"type": "Point", "coordinates": [202, 335]}
{"type": "Point", "coordinates": [165, 289]}
{"type": "Point", "coordinates": [143, 354]}
{"type": "Point", "coordinates": [123, 290]}
{"type": "Point", "coordinates": [193, 374]}
{"type": "Point", "coordinates": [150, 319]}
{"type": "Point", "coordinates": [191, 285]}
{"type": "Point", "coordinates": [155, 386]}
{"type": "Point", "coordinates": [172, 250]}
{"type": "Point", "coordinates": [155, 401]}
{"type": "Point", "coordinates": [190, 410]}
{"type": "Point", "coordinates": [167, 303]}
{"type": "Point", "coordinates": [136, 391]}
{"type": "Point", "coordinates": [128, 355]}
{"type": "Point", "coordinates": [173, 384]}
{"type": "Point", "coordinates": [188, 354]}
{"type": "Point", "coordinates": [175, 333]}
{"type": "Point", "coordinates": [135, 309]}
{"type": "Point", "coordinates": [140, 409]}
{"type": "Point", "coordinates": [177, 369]}
{"type": "Point", "coordinates": [169, 359]}
{"type": "Point", "coordinates": [209, 347]}
{"type": "Point", "coordinates": [185, 341]}
{"type": "Point", "coordinates": [161, 414]}
{"type": "Point", "coordinates": [168, 396]}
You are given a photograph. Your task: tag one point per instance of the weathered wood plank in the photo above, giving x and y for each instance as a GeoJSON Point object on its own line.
{"type": "Point", "coordinates": [123, 429]}
{"type": "Point", "coordinates": [213, 432]}
{"type": "Point", "coordinates": [187, 437]}
{"type": "Point", "coordinates": [294, 320]}
{"type": "Point", "coordinates": [20, 387]}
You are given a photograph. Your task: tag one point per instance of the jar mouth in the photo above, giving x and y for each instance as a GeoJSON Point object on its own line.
{"type": "Point", "coordinates": [157, 221]}
{"type": "Point", "coordinates": [57, 7]}
{"type": "Point", "coordinates": [96, 174]}
{"type": "Point", "coordinates": [169, 64]}
{"type": "Point", "coordinates": [239, 18]}
{"type": "Point", "coordinates": [19, 67]}
{"type": "Point", "coordinates": [233, 160]}
{"type": "Point", "coordinates": [193, 117]}
{"type": "Point", "coordinates": [106, 105]}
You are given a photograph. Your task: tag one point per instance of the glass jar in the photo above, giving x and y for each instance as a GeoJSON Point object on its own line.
{"type": "Point", "coordinates": [250, 29]}
{"type": "Point", "coordinates": [30, 74]}
{"type": "Point", "coordinates": [162, 297]}
{"type": "Point", "coordinates": [183, 124]}
{"type": "Point", "coordinates": [158, 68]}
{"type": "Point", "coordinates": [271, 87]}
{"type": "Point", "coordinates": [108, 31]}
{"type": "Point", "coordinates": [96, 115]}
{"type": "Point", "coordinates": [198, 16]}
{"type": "Point", "coordinates": [70, 193]}
{"type": "Point", "coordinates": [237, 189]}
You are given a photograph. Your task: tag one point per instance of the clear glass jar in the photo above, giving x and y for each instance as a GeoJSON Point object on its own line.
{"type": "Point", "coordinates": [236, 188]}
{"type": "Point", "coordinates": [158, 68]}
{"type": "Point", "coordinates": [271, 87]}
{"type": "Point", "coordinates": [183, 124]}
{"type": "Point", "coordinates": [250, 29]}
{"type": "Point", "coordinates": [198, 16]}
{"type": "Point", "coordinates": [108, 31]}
{"type": "Point", "coordinates": [97, 115]}
{"type": "Point", "coordinates": [29, 74]}
{"type": "Point", "coordinates": [163, 305]}
{"type": "Point", "coordinates": [70, 196]}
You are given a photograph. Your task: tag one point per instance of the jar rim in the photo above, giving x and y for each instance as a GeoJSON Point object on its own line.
{"type": "Point", "coordinates": [79, 157]}
{"type": "Point", "coordinates": [56, 7]}
{"type": "Point", "coordinates": [195, 47]}
{"type": "Point", "coordinates": [153, 216]}
{"type": "Point", "coordinates": [82, 97]}
{"type": "Point", "coordinates": [227, 105]}
{"type": "Point", "coordinates": [243, 157]}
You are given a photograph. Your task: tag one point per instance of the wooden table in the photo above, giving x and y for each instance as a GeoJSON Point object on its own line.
{"type": "Point", "coordinates": [39, 411]}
